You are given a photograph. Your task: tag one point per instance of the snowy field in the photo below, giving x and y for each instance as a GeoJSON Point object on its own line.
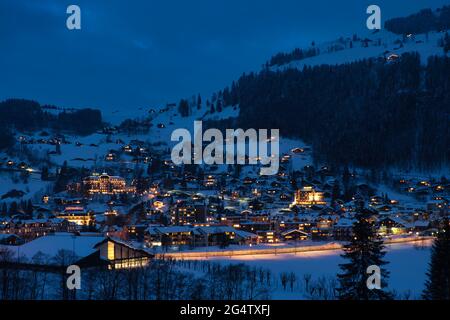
{"type": "Point", "coordinates": [407, 264]}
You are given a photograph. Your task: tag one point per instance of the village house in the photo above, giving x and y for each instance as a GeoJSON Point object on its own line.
{"type": "Point", "coordinates": [267, 236]}
{"type": "Point", "coordinates": [393, 226]}
{"type": "Point", "coordinates": [78, 215]}
{"type": "Point", "coordinates": [201, 236]}
{"type": "Point", "coordinates": [222, 236]}
{"type": "Point", "coordinates": [308, 196]}
{"type": "Point", "coordinates": [343, 229]}
{"type": "Point", "coordinates": [293, 235]}
{"type": "Point", "coordinates": [168, 236]}
{"type": "Point", "coordinates": [34, 228]}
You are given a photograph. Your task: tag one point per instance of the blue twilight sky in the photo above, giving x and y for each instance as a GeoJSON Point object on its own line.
{"type": "Point", "coordinates": [138, 53]}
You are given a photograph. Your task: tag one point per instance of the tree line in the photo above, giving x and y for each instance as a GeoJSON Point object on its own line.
{"type": "Point", "coordinates": [296, 54]}
{"type": "Point", "coordinates": [369, 113]}
{"type": "Point", "coordinates": [29, 116]}
{"type": "Point", "coordinates": [424, 21]}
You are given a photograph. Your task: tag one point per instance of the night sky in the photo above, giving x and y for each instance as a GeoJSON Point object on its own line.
{"type": "Point", "coordinates": [153, 52]}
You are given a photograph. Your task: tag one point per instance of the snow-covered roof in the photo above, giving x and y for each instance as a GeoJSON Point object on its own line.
{"type": "Point", "coordinates": [4, 236]}
{"type": "Point", "coordinates": [172, 229]}
{"type": "Point", "coordinates": [214, 229]}
{"type": "Point", "coordinates": [292, 231]}
{"type": "Point", "coordinates": [345, 223]}
{"type": "Point", "coordinates": [245, 234]}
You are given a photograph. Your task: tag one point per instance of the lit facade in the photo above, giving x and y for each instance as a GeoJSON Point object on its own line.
{"type": "Point", "coordinates": [106, 184]}
{"type": "Point", "coordinates": [307, 196]}
{"type": "Point", "coordinates": [77, 215]}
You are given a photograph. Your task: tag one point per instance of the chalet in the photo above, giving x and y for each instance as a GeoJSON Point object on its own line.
{"type": "Point", "coordinates": [285, 197]}
{"type": "Point", "coordinates": [297, 150]}
{"type": "Point", "coordinates": [275, 184]}
{"type": "Point", "coordinates": [438, 205]}
{"type": "Point", "coordinates": [393, 226]}
{"type": "Point", "coordinates": [232, 219]}
{"type": "Point", "coordinates": [165, 236]}
{"type": "Point", "coordinates": [285, 158]}
{"type": "Point", "coordinates": [210, 182]}
{"type": "Point", "coordinates": [258, 217]}
{"type": "Point", "coordinates": [308, 196]}
{"type": "Point", "coordinates": [222, 235]}
{"type": "Point", "coordinates": [420, 226]}
{"type": "Point", "coordinates": [384, 208]}
{"type": "Point", "coordinates": [198, 236]}
{"type": "Point", "coordinates": [253, 227]}
{"type": "Point", "coordinates": [321, 233]}
{"type": "Point", "coordinates": [34, 228]}
{"type": "Point", "coordinates": [135, 232]}
{"type": "Point", "coordinates": [248, 181]}
{"type": "Point", "coordinates": [62, 201]}
{"type": "Point", "coordinates": [111, 156]}
{"type": "Point", "coordinates": [294, 235]}
{"type": "Point", "coordinates": [255, 205]}
{"type": "Point", "coordinates": [392, 57]}
{"type": "Point", "coordinates": [298, 225]}
{"type": "Point", "coordinates": [377, 200]}
{"type": "Point", "coordinates": [266, 236]}
{"type": "Point", "coordinates": [343, 229]}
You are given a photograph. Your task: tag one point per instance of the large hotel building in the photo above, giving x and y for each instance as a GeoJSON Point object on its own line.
{"type": "Point", "coordinates": [106, 184]}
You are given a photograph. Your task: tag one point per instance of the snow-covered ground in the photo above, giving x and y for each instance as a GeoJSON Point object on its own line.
{"type": "Point", "coordinates": [407, 265]}
{"type": "Point", "coordinates": [35, 187]}
{"type": "Point", "coordinates": [382, 44]}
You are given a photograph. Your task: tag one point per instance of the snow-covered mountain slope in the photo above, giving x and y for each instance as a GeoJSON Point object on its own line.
{"type": "Point", "coordinates": [381, 44]}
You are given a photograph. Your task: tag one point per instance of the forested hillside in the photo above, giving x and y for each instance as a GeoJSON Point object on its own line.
{"type": "Point", "coordinates": [27, 115]}
{"type": "Point", "coordinates": [370, 113]}
{"type": "Point", "coordinates": [424, 21]}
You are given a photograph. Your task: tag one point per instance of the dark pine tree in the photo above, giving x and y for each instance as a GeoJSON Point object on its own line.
{"type": "Point", "coordinates": [364, 250]}
{"type": "Point", "coordinates": [4, 210]}
{"type": "Point", "coordinates": [199, 102]}
{"type": "Point", "coordinates": [336, 193]}
{"type": "Point", "coordinates": [183, 108]}
{"type": "Point", "coordinates": [437, 286]}
{"type": "Point", "coordinates": [44, 174]}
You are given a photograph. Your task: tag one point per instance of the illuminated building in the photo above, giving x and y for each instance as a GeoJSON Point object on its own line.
{"type": "Point", "coordinates": [106, 184]}
{"type": "Point", "coordinates": [187, 214]}
{"type": "Point", "coordinates": [34, 228]}
{"type": "Point", "coordinates": [294, 235]}
{"type": "Point", "coordinates": [110, 157]}
{"type": "Point", "coordinates": [307, 196]}
{"type": "Point", "coordinates": [45, 199]}
{"type": "Point", "coordinates": [77, 215]}
{"type": "Point", "coordinates": [266, 236]}
{"type": "Point", "coordinates": [210, 182]}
